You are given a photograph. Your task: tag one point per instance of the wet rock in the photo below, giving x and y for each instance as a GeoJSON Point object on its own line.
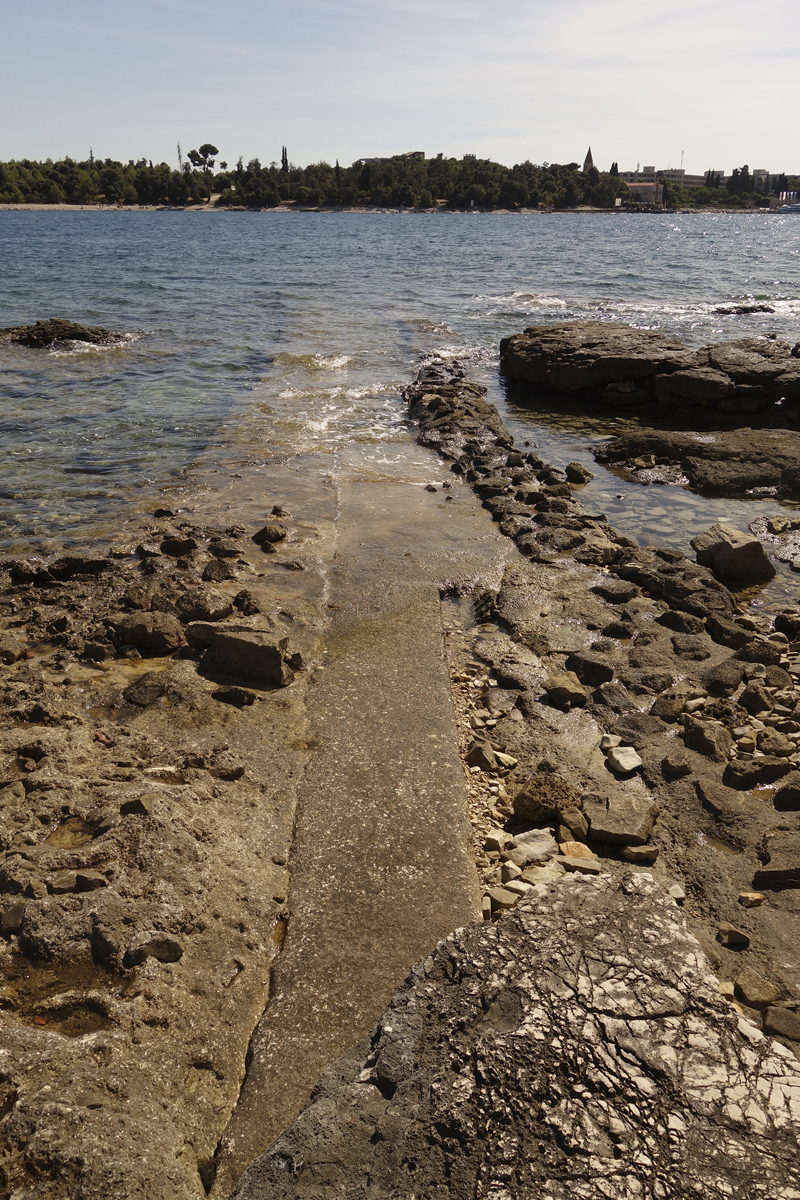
{"type": "Point", "coordinates": [620, 820]}
{"type": "Point", "coordinates": [152, 943]}
{"type": "Point", "coordinates": [217, 571]}
{"type": "Point", "coordinates": [637, 729]}
{"type": "Point", "coordinates": [615, 591]}
{"type": "Point", "coordinates": [246, 603]}
{"type": "Point", "coordinates": [12, 914]}
{"type": "Point", "coordinates": [577, 473]}
{"type": "Point", "coordinates": [273, 532]}
{"type": "Point", "coordinates": [707, 738]}
{"type": "Point", "coordinates": [176, 546]}
{"type": "Point", "coordinates": [488, 1010]}
{"type": "Point", "coordinates": [727, 633]}
{"type": "Point", "coordinates": [564, 690]}
{"type": "Point", "coordinates": [224, 547]}
{"type": "Point", "coordinates": [152, 634]}
{"type": "Point", "coordinates": [56, 329]}
{"type": "Point", "coordinates": [623, 759]}
{"type": "Point", "coordinates": [203, 604]}
{"type": "Point", "coordinates": [681, 622]}
{"type": "Point", "coordinates": [147, 689]}
{"type": "Point", "coordinates": [731, 554]}
{"type": "Point", "coordinates": [257, 657]}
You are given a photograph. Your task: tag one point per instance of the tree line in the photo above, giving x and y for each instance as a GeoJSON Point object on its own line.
{"type": "Point", "coordinates": [402, 181]}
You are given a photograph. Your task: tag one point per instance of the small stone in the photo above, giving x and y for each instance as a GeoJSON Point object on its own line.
{"type": "Point", "coordinates": [609, 741]}
{"type": "Point", "coordinates": [751, 899]}
{"type": "Point", "coordinates": [572, 849]}
{"type": "Point", "coordinates": [623, 759]}
{"type": "Point", "coordinates": [641, 855]}
{"type": "Point", "coordinates": [508, 871]}
{"type": "Point", "coordinates": [577, 473]}
{"type": "Point", "coordinates": [729, 935]}
{"type": "Point", "coordinates": [726, 989]}
{"type": "Point", "coordinates": [497, 839]}
{"type": "Point", "coordinates": [564, 690]}
{"type": "Point", "coordinates": [486, 908]}
{"type": "Point", "coordinates": [11, 917]}
{"type": "Point", "coordinates": [518, 887]}
{"type": "Point", "coordinates": [482, 755]}
{"type": "Point", "coordinates": [176, 547]}
{"type": "Point", "coordinates": [506, 761]}
{"type": "Point", "coordinates": [271, 532]}
{"type": "Point", "coordinates": [36, 889]}
{"type": "Point", "coordinates": [677, 893]}
{"type": "Point", "coordinates": [549, 873]}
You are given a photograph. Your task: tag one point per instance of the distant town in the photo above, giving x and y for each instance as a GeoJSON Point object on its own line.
{"type": "Point", "coordinates": [410, 180]}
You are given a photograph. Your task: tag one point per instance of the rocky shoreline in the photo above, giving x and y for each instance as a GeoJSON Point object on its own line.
{"type": "Point", "coordinates": [631, 745]}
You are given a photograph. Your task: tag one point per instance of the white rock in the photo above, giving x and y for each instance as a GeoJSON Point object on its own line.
{"type": "Point", "coordinates": [624, 759]}
{"type": "Point", "coordinates": [609, 741]}
{"type": "Point", "coordinates": [677, 892]}
{"type": "Point", "coordinates": [518, 886]}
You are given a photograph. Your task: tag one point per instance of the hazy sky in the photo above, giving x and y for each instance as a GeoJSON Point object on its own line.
{"type": "Point", "coordinates": [641, 80]}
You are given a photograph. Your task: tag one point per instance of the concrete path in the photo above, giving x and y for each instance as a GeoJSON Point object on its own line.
{"type": "Point", "coordinates": [381, 863]}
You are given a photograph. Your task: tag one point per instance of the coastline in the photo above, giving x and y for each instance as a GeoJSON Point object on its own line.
{"type": "Point", "coordinates": [583, 210]}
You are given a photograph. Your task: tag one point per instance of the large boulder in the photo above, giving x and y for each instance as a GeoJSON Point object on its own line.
{"type": "Point", "coordinates": [577, 1047]}
{"type": "Point", "coordinates": [731, 554]}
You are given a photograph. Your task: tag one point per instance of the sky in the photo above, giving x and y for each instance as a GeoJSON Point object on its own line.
{"type": "Point", "coordinates": [641, 81]}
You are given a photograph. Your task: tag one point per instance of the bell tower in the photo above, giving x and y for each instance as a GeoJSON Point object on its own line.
{"type": "Point", "coordinates": [588, 161]}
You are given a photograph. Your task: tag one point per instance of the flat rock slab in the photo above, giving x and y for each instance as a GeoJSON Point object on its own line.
{"type": "Point", "coordinates": [381, 864]}
{"type": "Point", "coordinates": [539, 1056]}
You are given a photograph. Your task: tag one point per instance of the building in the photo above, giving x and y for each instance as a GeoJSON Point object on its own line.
{"type": "Point", "coordinates": [413, 154]}
{"type": "Point", "coordinates": [588, 161]}
{"type": "Point", "coordinates": [674, 175]}
{"type": "Point", "coordinates": [649, 192]}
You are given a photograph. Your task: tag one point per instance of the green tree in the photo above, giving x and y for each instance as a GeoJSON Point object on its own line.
{"type": "Point", "coordinates": [203, 159]}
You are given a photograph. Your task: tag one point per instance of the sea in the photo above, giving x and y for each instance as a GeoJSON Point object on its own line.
{"type": "Point", "coordinates": [249, 339]}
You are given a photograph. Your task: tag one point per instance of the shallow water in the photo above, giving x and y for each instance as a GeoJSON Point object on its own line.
{"type": "Point", "coordinates": [252, 338]}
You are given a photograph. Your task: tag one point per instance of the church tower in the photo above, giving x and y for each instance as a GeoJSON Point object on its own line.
{"type": "Point", "coordinates": [588, 161]}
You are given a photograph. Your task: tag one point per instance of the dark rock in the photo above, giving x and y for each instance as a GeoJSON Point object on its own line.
{"type": "Point", "coordinates": [222, 547]}
{"type": "Point", "coordinates": [544, 799]}
{"type": "Point", "coordinates": [729, 935]}
{"type": "Point", "coordinates": [246, 603]}
{"type": "Point", "coordinates": [787, 797]}
{"type": "Point", "coordinates": [12, 648]}
{"type": "Point", "coordinates": [691, 647]}
{"type": "Point", "coordinates": [238, 697]}
{"type": "Point", "coordinates": [12, 914]}
{"type": "Point", "coordinates": [272, 532]}
{"type": "Point", "coordinates": [203, 604]}
{"type": "Point", "coordinates": [783, 1022]}
{"type": "Point", "coordinates": [720, 800]}
{"type": "Point", "coordinates": [669, 705]}
{"type": "Point", "coordinates": [636, 729]}
{"type": "Point", "coordinates": [615, 591]}
{"type": "Point", "coordinates": [56, 329]}
{"type": "Point", "coordinates": [89, 881]}
{"type": "Point", "coordinates": [755, 699]}
{"type": "Point", "coordinates": [727, 633]}
{"type": "Point", "coordinates": [760, 650]}
{"type": "Point", "coordinates": [771, 741]}
{"type": "Point", "coordinates": [139, 806]}
{"type": "Point", "coordinates": [675, 766]}
{"type": "Point", "coordinates": [724, 678]}
{"type": "Point", "coordinates": [147, 689]}
{"type": "Point", "coordinates": [217, 571]}
{"type": "Point", "coordinates": [681, 622]}
{"type": "Point", "coordinates": [78, 564]}
{"type": "Point", "coordinates": [590, 668]}
{"type": "Point", "coordinates": [481, 754]}
{"type": "Point", "coordinates": [258, 657]}
{"type": "Point", "coordinates": [614, 696]}
{"type": "Point", "coordinates": [176, 547]}
{"type": "Point", "coordinates": [781, 867]}
{"type": "Point", "coordinates": [564, 690]}
{"type": "Point", "coordinates": [577, 473]}
{"type": "Point", "coordinates": [153, 634]}
{"type": "Point", "coordinates": [62, 882]}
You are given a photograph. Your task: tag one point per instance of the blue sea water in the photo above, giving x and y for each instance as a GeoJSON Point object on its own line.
{"type": "Point", "coordinates": [252, 337]}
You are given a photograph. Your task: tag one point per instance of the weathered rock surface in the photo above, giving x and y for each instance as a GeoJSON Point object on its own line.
{"type": "Point", "coordinates": [615, 364]}
{"type": "Point", "coordinates": [577, 1048]}
{"type": "Point", "coordinates": [731, 554]}
{"type": "Point", "coordinates": [56, 329]}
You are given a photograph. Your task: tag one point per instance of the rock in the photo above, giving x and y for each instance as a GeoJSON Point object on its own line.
{"type": "Point", "coordinates": [177, 547]}
{"type": "Point", "coordinates": [755, 699]}
{"type": "Point", "coordinates": [609, 741]}
{"type": "Point", "coordinates": [719, 799]}
{"type": "Point", "coordinates": [12, 793]}
{"type": "Point", "coordinates": [551, 872]}
{"type": "Point", "coordinates": [217, 571]}
{"type": "Point", "coordinates": [12, 914]}
{"type": "Point", "coordinates": [694, 648]}
{"type": "Point", "coordinates": [36, 889]}
{"type": "Point", "coordinates": [623, 759]}
{"type": "Point", "coordinates": [499, 701]}
{"type": "Point", "coordinates": [675, 766]}
{"type": "Point", "coordinates": [497, 839]}
{"type": "Point", "coordinates": [513, 1016]}
{"type": "Point", "coordinates": [641, 855]}
{"type": "Point", "coordinates": [89, 881]}
{"type": "Point", "coordinates": [782, 1022]}
{"type": "Point", "coordinates": [708, 738]}
{"type": "Point", "coordinates": [677, 893]}
{"type": "Point", "coordinates": [751, 899]}
{"type": "Point", "coordinates": [727, 633]}
{"type": "Point", "coordinates": [509, 871]}
{"type": "Point", "coordinates": [743, 774]}
{"type": "Point", "coordinates": [258, 657]}
{"type": "Point", "coordinates": [238, 697]}
{"type": "Point", "coordinates": [223, 547]}
{"type": "Point", "coordinates": [140, 806]}
{"type": "Point", "coordinates": [760, 650]}
{"type": "Point", "coordinates": [536, 848]}
{"type": "Point", "coordinates": [62, 882]}
{"type": "Point", "coordinates": [270, 533]}
{"type": "Point", "coordinates": [590, 669]}
{"type": "Point", "coordinates": [620, 820]}
{"type": "Point", "coordinates": [669, 705]}
{"type": "Point", "coordinates": [545, 799]}
{"type": "Point", "coordinates": [246, 603]}
{"type": "Point", "coordinates": [695, 384]}
{"type": "Point", "coordinates": [56, 329]}
{"type": "Point", "coordinates": [147, 689]}
{"type": "Point", "coordinates": [770, 741]}
{"type": "Point", "coordinates": [781, 867]}
{"type": "Point", "coordinates": [577, 473]}
{"type": "Point", "coordinates": [613, 696]}
{"type": "Point", "coordinates": [578, 864]}
{"type": "Point", "coordinates": [502, 899]}
{"type": "Point", "coordinates": [755, 990]}
{"type": "Point", "coordinates": [564, 690]}
{"type": "Point", "coordinates": [732, 554]}
{"type": "Point", "coordinates": [729, 935]}
{"type": "Point", "coordinates": [153, 944]}
{"type": "Point", "coordinates": [787, 797]}
{"type": "Point", "coordinates": [203, 604]}
{"type": "Point", "coordinates": [681, 622]}
{"type": "Point", "coordinates": [12, 648]}
{"type": "Point", "coordinates": [570, 849]}
{"type": "Point", "coordinates": [481, 754]}
{"type": "Point", "coordinates": [154, 634]}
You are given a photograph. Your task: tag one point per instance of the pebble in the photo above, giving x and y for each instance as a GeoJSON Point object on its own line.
{"type": "Point", "coordinates": [624, 759]}
{"type": "Point", "coordinates": [677, 893]}
{"type": "Point", "coordinates": [609, 741]}
{"type": "Point", "coordinates": [751, 899]}
{"type": "Point", "coordinates": [729, 935]}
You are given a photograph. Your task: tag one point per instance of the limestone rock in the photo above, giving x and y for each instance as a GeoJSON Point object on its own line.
{"type": "Point", "coordinates": [708, 738]}
{"type": "Point", "coordinates": [154, 634]}
{"type": "Point", "coordinates": [620, 820]}
{"type": "Point", "coordinates": [732, 554]}
{"type": "Point", "coordinates": [539, 1056]}
{"type": "Point", "coordinates": [564, 690]}
{"type": "Point", "coordinates": [623, 759]}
